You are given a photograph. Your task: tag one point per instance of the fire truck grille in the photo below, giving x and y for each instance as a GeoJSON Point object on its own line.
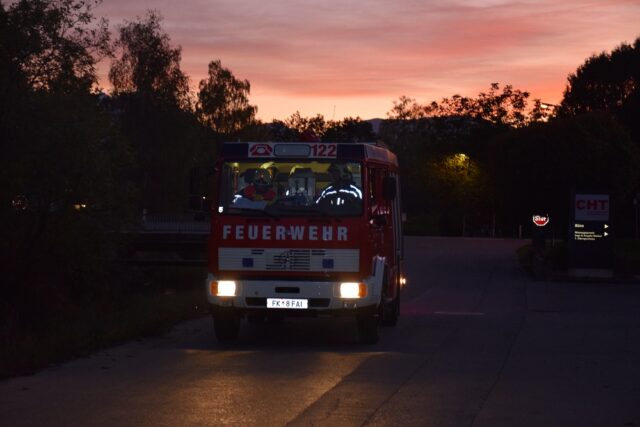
{"type": "Point", "coordinates": [291, 260]}
{"type": "Point", "coordinates": [283, 259]}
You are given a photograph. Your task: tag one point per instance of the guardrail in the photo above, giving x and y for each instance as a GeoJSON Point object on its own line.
{"type": "Point", "coordinates": [169, 239]}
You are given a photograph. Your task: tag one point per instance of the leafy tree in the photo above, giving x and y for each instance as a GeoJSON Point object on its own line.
{"type": "Point", "coordinates": [53, 44]}
{"type": "Point", "coordinates": [168, 144]}
{"type": "Point", "coordinates": [277, 130]}
{"type": "Point", "coordinates": [148, 65]}
{"type": "Point", "coordinates": [608, 83]}
{"type": "Point", "coordinates": [49, 45]}
{"type": "Point", "coordinates": [426, 137]}
{"type": "Point", "coordinates": [63, 164]}
{"type": "Point", "coordinates": [406, 109]}
{"type": "Point", "coordinates": [537, 167]}
{"type": "Point", "coordinates": [296, 127]}
{"type": "Point", "coordinates": [314, 125]}
{"type": "Point", "coordinates": [349, 130]}
{"type": "Point", "coordinates": [456, 186]}
{"type": "Point", "coordinates": [507, 108]}
{"type": "Point", "coordinates": [443, 160]}
{"type": "Point", "coordinates": [151, 94]}
{"type": "Point", "coordinates": [223, 103]}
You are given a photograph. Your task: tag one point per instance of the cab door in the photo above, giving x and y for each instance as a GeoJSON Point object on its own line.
{"type": "Point", "coordinates": [382, 218]}
{"type": "Point", "coordinates": [375, 210]}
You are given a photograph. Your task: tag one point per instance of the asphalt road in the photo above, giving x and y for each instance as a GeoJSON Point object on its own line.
{"type": "Point", "coordinates": [478, 344]}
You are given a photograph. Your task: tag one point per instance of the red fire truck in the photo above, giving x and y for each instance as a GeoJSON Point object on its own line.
{"type": "Point", "coordinates": [305, 228]}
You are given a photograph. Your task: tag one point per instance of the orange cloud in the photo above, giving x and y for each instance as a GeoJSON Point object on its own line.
{"type": "Point", "coordinates": [357, 57]}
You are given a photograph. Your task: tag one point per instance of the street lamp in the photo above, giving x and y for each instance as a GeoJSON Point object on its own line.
{"type": "Point", "coordinates": [462, 159]}
{"type": "Point", "coordinates": [548, 110]}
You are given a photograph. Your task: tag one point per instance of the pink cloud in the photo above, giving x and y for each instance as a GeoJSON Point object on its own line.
{"type": "Point", "coordinates": [365, 54]}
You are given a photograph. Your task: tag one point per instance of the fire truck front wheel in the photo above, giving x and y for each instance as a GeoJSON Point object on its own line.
{"type": "Point", "coordinates": [226, 324]}
{"type": "Point", "coordinates": [390, 309]}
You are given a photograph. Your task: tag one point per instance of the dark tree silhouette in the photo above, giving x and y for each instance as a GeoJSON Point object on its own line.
{"type": "Point", "coordinates": [314, 125]}
{"type": "Point", "coordinates": [63, 164]}
{"type": "Point", "coordinates": [349, 130]}
{"type": "Point", "coordinates": [148, 65]}
{"type": "Point", "coordinates": [508, 107]}
{"type": "Point", "coordinates": [537, 167]}
{"type": "Point", "coordinates": [151, 94]}
{"type": "Point", "coordinates": [55, 43]}
{"type": "Point", "coordinates": [223, 101]}
{"type": "Point", "coordinates": [609, 83]}
{"type": "Point", "coordinates": [430, 138]}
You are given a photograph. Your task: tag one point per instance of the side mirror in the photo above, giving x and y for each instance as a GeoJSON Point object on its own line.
{"type": "Point", "coordinates": [389, 188]}
{"type": "Point", "coordinates": [379, 220]}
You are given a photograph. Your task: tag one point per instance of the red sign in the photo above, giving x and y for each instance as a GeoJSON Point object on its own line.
{"type": "Point", "coordinates": [541, 220]}
{"type": "Point", "coordinates": [260, 150]}
{"type": "Point", "coordinates": [592, 207]}
{"type": "Point", "coordinates": [324, 150]}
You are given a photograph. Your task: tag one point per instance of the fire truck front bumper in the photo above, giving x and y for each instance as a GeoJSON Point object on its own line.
{"type": "Point", "coordinates": [293, 297]}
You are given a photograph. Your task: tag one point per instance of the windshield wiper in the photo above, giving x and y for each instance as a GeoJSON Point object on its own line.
{"type": "Point", "coordinates": [308, 209]}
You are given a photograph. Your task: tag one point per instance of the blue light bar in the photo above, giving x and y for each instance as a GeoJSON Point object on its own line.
{"type": "Point", "coordinates": [292, 150]}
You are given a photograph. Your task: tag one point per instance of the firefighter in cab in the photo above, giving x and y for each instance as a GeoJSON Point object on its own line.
{"type": "Point", "coordinates": [341, 189]}
{"type": "Point", "coordinates": [260, 188]}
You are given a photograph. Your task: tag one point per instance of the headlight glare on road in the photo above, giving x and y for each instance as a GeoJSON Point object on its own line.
{"type": "Point", "coordinates": [223, 288]}
{"type": "Point", "coordinates": [353, 290]}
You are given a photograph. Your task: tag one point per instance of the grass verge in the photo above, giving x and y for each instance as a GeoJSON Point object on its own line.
{"type": "Point", "coordinates": [171, 295]}
{"type": "Point", "coordinates": [554, 259]}
{"type": "Point", "coordinates": [626, 257]}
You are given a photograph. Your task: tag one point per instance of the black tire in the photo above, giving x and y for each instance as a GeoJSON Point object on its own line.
{"type": "Point", "coordinates": [226, 325]}
{"type": "Point", "coordinates": [391, 309]}
{"type": "Point", "coordinates": [368, 328]}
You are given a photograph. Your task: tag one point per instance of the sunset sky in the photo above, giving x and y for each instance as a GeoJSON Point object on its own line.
{"type": "Point", "coordinates": [355, 57]}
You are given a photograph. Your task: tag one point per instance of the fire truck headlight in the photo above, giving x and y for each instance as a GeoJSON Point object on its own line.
{"type": "Point", "coordinates": [353, 290]}
{"type": "Point", "coordinates": [223, 288]}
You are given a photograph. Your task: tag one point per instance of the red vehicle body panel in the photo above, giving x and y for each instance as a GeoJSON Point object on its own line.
{"type": "Point", "coordinates": [375, 233]}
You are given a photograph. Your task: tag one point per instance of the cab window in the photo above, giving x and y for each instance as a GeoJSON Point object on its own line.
{"type": "Point", "coordinates": [291, 188]}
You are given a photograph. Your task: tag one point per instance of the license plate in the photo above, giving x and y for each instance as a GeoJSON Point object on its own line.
{"type": "Point", "coordinates": [287, 303]}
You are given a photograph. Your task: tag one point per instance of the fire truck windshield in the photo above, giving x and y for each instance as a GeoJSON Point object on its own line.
{"type": "Point", "coordinates": [289, 187]}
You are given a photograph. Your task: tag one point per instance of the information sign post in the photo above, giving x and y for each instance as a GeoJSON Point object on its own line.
{"type": "Point", "coordinates": [590, 243]}
{"type": "Point", "coordinates": [539, 234]}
